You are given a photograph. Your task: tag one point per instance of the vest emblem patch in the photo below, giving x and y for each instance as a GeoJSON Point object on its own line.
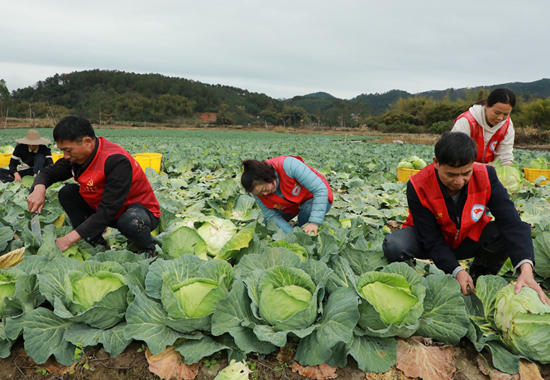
{"type": "Point", "coordinates": [477, 212]}
{"type": "Point", "coordinates": [296, 190]}
{"type": "Point", "coordinates": [493, 145]}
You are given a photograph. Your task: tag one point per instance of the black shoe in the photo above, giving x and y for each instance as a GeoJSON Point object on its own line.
{"type": "Point", "coordinates": [486, 262]}
{"type": "Point", "coordinates": [100, 241]}
{"type": "Point", "coordinates": [149, 253]}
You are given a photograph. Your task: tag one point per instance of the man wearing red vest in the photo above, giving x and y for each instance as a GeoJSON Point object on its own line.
{"type": "Point", "coordinates": [112, 189]}
{"type": "Point", "coordinates": [448, 221]}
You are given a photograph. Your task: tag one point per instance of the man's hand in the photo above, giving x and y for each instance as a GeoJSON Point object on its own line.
{"type": "Point", "coordinates": [66, 241]}
{"type": "Point", "coordinates": [526, 279]}
{"type": "Point", "coordinates": [310, 227]}
{"type": "Point", "coordinates": [466, 282]}
{"type": "Point", "coordinates": [17, 177]}
{"type": "Point", "coordinates": [35, 201]}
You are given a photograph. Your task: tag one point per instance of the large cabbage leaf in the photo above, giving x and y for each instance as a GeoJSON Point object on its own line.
{"type": "Point", "coordinates": [524, 322]}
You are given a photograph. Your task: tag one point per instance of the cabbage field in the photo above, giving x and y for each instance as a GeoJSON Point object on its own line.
{"type": "Point", "coordinates": [225, 286]}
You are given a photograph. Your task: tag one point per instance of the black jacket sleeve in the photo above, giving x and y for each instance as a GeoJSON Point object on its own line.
{"type": "Point", "coordinates": [430, 234]}
{"type": "Point", "coordinates": [515, 232]}
{"type": "Point", "coordinates": [17, 152]}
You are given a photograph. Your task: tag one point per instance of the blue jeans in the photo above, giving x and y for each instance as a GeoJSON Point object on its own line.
{"type": "Point", "coordinates": [303, 215]}
{"type": "Point", "coordinates": [38, 164]}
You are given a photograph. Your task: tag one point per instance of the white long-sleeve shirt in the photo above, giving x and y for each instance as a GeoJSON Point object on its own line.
{"type": "Point", "coordinates": [504, 150]}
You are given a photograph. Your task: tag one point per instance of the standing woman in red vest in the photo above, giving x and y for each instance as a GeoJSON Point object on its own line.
{"type": "Point", "coordinates": [488, 122]}
{"type": "Point", "coordinates": [284, 187]}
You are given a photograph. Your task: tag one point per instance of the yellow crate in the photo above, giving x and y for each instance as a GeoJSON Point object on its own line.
{"type": "Point", "coordinates": [56, 156]}
{"type": "Point", "coordinates": [5, 159]}
{"type": "Point", "coordinates": [403, 174]}
{"type": "Point", "coordinates": [149, 160]}
{"type": "Point", "coordinates": [532, 174]}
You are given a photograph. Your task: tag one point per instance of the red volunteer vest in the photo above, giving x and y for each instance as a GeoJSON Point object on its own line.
{"type": "Point", "coordinates": [92, 181]}
{"type": "Point", "coordinates": [485, 155]}
{"type": "Point", "coordinates": [473, 218]}
{"type": "Point", "coordinates": [294, 193]}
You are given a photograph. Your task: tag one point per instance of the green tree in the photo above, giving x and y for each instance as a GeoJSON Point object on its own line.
{"type": "Point", "coordinates": [271, 115]}
{"type": "Point", "coordinates": [5, 98]}
{"type": "Point", "coordinates": [536, 114]}
{"type": "Point", "coordinates": [295, 116]}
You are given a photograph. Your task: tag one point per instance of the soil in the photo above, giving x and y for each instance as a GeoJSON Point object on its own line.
{"type": "Point", "coordinates": [133, 364]}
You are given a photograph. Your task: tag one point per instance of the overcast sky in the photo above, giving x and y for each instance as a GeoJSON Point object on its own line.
{"type": "Point", "coordinates": [282, 48]}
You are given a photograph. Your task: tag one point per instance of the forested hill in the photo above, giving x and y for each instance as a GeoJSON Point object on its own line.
{"type": "Point", "coordinates": [85, 90]}
{"type": "Point", "coordinates": [119, 95]}
{"type": "Point", "coordinates": [528, 91]}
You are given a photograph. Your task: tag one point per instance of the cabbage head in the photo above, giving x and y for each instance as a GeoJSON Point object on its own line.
{"type": "Point", "coordinates": [403, 164]}
{"type": "Point", "coordinates": [91, 289]}
{"type": "Point", "coordinates": [95, 293]}
{"type": "Point", "coordinates": [216, 232]}
{"type": "Point", "coordinates": [412, 162]}
{"type": "Point", "coordinates": [392, 301]}
{"type": "Point", "coordinates": [274, 295]}
{"type": "Point", "coordinates": [285, 298]}
{"type": "Point", "coordinates": [189, 289]}
{"type": "Point", "coordinates": [540, 163]}
{"type": "Point", "coordinates": [524, 322]}
{"type": "Point", "coordinates": [7, 289]}
{"type": "Point", "coordinates": [509, 176]}
{"type": "Point", "coordinates": [417, 162]}
{"type": "Point", "coordinates": [6, 149]}
{"type": "Point", "coordinates": [198, 296]}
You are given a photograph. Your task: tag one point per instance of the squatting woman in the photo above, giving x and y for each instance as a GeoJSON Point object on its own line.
{"type": "Point", "coordinates": [284, 187]}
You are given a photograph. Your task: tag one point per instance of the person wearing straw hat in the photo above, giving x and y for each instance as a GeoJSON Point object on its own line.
{"type": "Point", "coordinates": [30, 156]}
{"type": "Point", "coordinates": [111, 190]}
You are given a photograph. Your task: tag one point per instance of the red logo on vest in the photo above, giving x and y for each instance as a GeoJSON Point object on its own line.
{"type": "Point", "coordinates": [90, 188]}
{"type": "Point", "coordinates": [477, 212]}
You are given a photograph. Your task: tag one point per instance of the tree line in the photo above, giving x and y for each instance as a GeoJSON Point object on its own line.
{"type": "Point", "coordinates": [111, 96]}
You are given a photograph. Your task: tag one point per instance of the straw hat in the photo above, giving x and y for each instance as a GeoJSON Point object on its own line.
{"type": "Point", "coordinates": [33, 138]}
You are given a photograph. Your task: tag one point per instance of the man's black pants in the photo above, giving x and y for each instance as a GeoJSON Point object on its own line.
{"type": "Point", "coordinates": [136, 223]}
{"type": "Point", "coordinates": [490, 251]}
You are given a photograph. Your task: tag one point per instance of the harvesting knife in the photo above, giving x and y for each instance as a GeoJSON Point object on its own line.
{"type": "Point", "coordinates": [476, 303]}
{"type": "Point", "coordinates": [35, 227]}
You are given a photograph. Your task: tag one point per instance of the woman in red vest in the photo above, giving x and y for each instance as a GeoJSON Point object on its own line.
{"type": "Point", "coordinates": [284, 187]}
{"type": "Point", "coordinates": [488, 123]}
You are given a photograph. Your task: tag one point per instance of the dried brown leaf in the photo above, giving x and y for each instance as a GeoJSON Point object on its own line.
{"type": "Point", "coordinates": [430, 363]}
{"type": "Point", "coordinates": [529, 371]}
{"type": "Point", "coordinates": [286, 353]}
{"type": "Point", "coordinates": [12, 258]}
{"type": "Point", "coordinates": [170, 365]}
{"type": "Point", "coordinates": [51, 365]}
{"type": "Point", "coordinates": [319, 372]}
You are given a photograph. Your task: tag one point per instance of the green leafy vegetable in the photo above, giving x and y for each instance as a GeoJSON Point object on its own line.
{"type": "Point", "coordinates": [524, 322]}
